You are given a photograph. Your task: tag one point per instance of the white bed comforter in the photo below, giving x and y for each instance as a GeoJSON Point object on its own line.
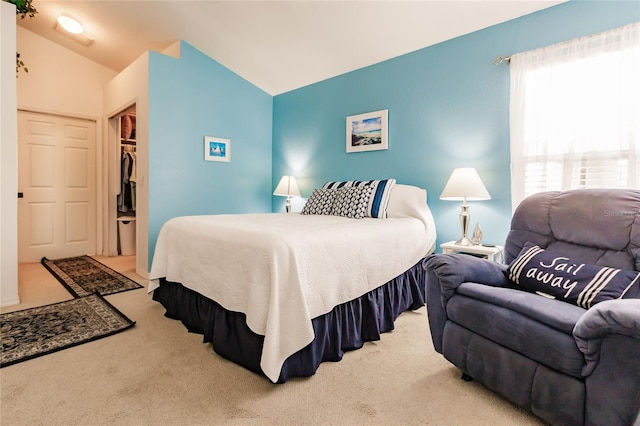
{"type": "Point", "coordinates": [282, 270]}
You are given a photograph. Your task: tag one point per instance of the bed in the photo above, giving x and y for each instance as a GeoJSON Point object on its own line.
{"type": "Point", "coordinates": [279, 293]}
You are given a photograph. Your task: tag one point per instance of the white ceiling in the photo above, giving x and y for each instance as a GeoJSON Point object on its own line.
{"type": "Point", "coordinates": [276, 45]}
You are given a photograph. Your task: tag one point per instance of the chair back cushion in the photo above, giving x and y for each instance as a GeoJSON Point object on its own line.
{"type": "Point", "coordinates": [597, 226]}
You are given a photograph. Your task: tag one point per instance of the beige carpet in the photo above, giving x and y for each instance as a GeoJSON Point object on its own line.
{"type": "Point", "coordinates": [158, 373]}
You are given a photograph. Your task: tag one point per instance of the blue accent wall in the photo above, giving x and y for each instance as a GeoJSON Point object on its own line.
{"type": "Point", "coordinates": [448, 107]}
{"type": "Point", "coordinates": [192, 97]}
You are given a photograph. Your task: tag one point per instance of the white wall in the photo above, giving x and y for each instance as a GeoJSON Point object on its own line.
{"type": "Point", "coordinates": [128, 87]}
{"type": "Point", "coordinates": [59, 81]}
{"type": "Point", "coordinates": [8, 164]}
{"type": "Point", "coordinates": [62, 82]}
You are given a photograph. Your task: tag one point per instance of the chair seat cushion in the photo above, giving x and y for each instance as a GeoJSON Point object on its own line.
{"type": "Point", "coordinates": [532, 325]}
{"type": "Point", "coordinates": [554, 313]}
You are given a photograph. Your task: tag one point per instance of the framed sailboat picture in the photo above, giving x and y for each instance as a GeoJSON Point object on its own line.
{"type": "Point", "coordinates": [217, 149]}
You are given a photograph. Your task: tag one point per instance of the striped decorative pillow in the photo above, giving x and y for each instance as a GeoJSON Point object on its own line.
{"type": "Point", "coordinates": [381, 191]}
{"type": "Point", "coordinates": [338, 184]}
{"type": "Point", "coordinates": [551, 274]}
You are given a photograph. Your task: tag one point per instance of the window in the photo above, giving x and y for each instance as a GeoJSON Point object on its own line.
{"type": "Point", "coordinates": [575, 114]}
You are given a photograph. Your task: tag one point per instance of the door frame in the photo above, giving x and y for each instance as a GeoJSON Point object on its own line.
{"type": "Point", "coordinates": [111, 179]}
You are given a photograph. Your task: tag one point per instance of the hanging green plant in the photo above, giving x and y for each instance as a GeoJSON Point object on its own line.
{"type": "Point", "coordinates": [20, 64]}
{"type": "Point", "coordinates": [24, 8]}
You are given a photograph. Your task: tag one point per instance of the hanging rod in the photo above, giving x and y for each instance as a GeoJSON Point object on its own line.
{"type": "Point", "coordinates": [501, 59]}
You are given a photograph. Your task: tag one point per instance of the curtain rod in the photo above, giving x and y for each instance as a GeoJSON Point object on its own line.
{"type": "Point", "coordinates": [501, 59]}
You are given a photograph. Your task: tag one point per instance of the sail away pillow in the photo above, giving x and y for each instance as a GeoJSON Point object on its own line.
{"type": "Point", "coordinates": [567, 279]}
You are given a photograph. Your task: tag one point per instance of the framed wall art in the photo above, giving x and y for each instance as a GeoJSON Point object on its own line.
{"type": "Point", "coordinates": [368, 132]}
{"type": "Point", "coordinates": [217, 149]}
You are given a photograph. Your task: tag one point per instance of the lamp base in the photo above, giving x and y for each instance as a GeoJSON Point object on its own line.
{"type": "Point", "coordinates": [464, 241]}
{"type": "Point", "coordinates": [464, 224]}
{"type": "Point", "coordinates": [287, 205]}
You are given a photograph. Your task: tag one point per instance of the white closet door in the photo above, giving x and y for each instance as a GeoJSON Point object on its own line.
{"type": "Point", "coordinates": [57, 177]}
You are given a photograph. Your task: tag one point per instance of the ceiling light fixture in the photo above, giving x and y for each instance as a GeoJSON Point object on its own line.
{"type": "Point", "coordinates": [70, 25]}
{"type": "Point", "coordinates": [72, 29]}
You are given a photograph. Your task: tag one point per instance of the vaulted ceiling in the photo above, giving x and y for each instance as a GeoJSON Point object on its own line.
{"type": "Point", "coordinates": [276, 45]}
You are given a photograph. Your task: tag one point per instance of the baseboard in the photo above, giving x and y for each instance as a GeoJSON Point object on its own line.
{"type": "Point", "coordinates": [144, 274]}
{"type": "Point", "coordinates": [9, 302]}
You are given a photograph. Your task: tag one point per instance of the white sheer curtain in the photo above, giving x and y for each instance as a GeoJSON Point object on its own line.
{"type": "Point", "coordinates": [575, 114]}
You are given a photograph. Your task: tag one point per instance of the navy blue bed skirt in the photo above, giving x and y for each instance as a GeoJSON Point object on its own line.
{"type": "Point", "coordinates": [347, 327]}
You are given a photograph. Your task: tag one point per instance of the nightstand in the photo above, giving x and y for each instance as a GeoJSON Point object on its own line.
{"type": "Point", "coordinates": [492, 253]}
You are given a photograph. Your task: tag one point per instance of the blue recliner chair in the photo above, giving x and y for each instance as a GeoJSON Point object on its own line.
{"type": "Point", "coordinates": [569, 360]}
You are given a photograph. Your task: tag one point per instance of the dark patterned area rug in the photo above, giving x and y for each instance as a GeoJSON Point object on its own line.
{"type": "Point", "coordinates": [83, 275]}
{"type": "Point", "coordinates": [34, 332]}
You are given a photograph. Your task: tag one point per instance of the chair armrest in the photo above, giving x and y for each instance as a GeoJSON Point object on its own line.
{"type": "Point", "coordinates": [444, 273]}
{"type": "Point", "coordinates": [620, 316]}
{"type": "Point", "coordinates": [451, 270]}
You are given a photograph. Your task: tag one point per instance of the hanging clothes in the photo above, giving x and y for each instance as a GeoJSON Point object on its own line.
{"type": "Point", "coordinates": [133, 180]}
{"type": "Point", "coordinates": [126, 198]}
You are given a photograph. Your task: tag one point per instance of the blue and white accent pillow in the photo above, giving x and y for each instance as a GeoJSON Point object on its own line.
{"type": "Point", "coordinates": [379, 200]}
{"type": "Point", "coordinates": [351, 201]}
{"type": "Point", "coordinates": [569, 280]}
{"type": "Point", "coordinates": [320, 202]}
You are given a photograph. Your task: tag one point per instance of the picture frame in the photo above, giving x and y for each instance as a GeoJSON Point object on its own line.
{"type": "Point", "coordinates": [217, 149]}
{"type": "Point", "coordinates": [368, 131]}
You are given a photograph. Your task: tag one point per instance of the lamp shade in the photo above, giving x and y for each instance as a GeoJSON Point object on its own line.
{"type": "Point", "coordinates": [287, 187]}
{"type": "Point", "coordinates": [465, 184]}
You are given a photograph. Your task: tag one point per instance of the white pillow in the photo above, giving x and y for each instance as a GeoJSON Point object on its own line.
{"type": "Point", "coordinates": [407, 201]}
{"type": "Point", "coordinates": [411, 201]}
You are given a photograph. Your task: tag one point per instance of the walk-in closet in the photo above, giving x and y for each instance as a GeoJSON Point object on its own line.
{"type": "Point", "coordinates": [126, 198]}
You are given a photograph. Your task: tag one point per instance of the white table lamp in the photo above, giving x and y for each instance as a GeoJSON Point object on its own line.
{"type": "Point", "coordinates": [289, 188]}
{"type": "Point", "coordinates": [465, 184]}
